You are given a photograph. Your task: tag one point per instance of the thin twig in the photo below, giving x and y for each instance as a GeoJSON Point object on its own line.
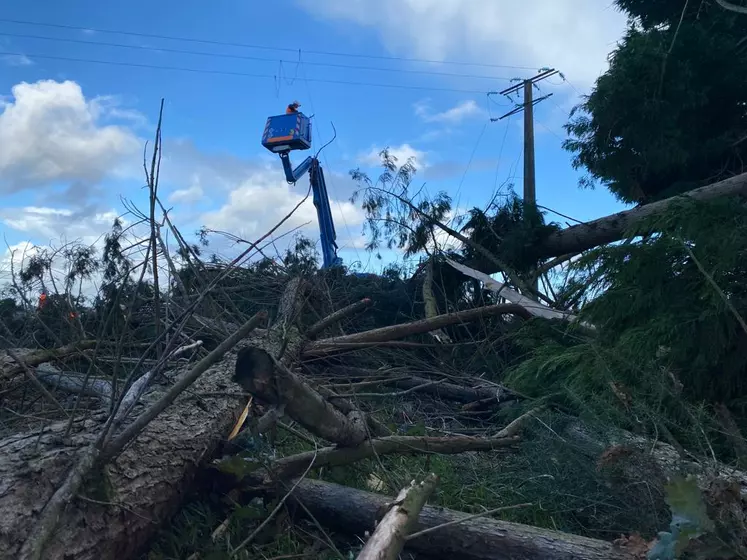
{"type": "Point", "coordinates": [393, 394]}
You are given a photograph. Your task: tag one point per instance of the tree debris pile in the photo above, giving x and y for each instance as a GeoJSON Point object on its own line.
{"type": "Point", "coordinates": [324, 384]}
{"type": "Point", "coordinates": [511, 389]}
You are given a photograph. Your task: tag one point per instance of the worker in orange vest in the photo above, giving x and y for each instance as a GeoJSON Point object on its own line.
{"type": "Point", "coordinates": [42, 301]}
{"type": "Point", "coordinates": [292, 108]}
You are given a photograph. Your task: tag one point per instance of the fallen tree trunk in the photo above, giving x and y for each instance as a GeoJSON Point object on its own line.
{"type": "Point", "coordinates": [587, 235]}
{"type": "Point", "coordinates": [9, 367]}
{"type": "Point", "coordinates": [581, 237]}
{"type": "Point", "coordinates": [145, 483]}
{"type": "Point", "coordinates": [119, 495]}
{"type": "Point", "coordinates": [356, 511]}
{"type": "Point", "coordinates": [262, 376]}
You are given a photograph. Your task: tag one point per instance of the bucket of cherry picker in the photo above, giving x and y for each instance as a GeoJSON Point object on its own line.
{"type": "Point", "coordinates": [284, 133]}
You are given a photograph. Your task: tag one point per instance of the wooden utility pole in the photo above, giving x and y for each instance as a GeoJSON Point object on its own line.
{"type": "Point", "coordinates": [530, 189]}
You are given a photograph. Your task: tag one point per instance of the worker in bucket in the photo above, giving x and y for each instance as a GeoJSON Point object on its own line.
{"type": "Point", "coordinates": [292, 108]}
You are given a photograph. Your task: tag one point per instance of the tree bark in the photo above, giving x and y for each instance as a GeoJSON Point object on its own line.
{"type": "Point", "coordinates": [9, 368]}
{"type": "Point", "coordinates": [430, 304]}
{"type": "Point", "coordinates": [117, 514]}
{"type": "Point", "coordinates": [576, 239]}
{"type": "Point", "coordinates": [336, 317]}
{"type": "Point", "coordinates": [355, 511]}
{"type": "Point", "coordinates": [116, 510]}
{"type": "Point", "coordinates": [273, 383]}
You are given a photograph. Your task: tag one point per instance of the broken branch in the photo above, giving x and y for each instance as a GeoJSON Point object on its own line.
{"type": "Point", "coordinates": [384, 334]}
{"type": "Point", "coordinates": [389, 537]}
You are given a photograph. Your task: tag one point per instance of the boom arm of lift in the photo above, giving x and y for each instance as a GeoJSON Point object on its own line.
{"type": "Point", "coordinates": [321, 201]}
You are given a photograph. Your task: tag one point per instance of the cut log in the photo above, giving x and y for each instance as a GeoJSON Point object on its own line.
{"type": "Point", "coordinates": [262, 376]}
{"type": "Point", "coordinates": [355, 511]}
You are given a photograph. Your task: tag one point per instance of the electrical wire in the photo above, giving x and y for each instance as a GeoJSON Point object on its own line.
{"type": "Point", "coordinates": [500, 159]}
{"type": "Point", "coordinates": [254, 46]}
{"type": "Point", "coordinates": [232, 73]}
{"type": "Point", "coordinates": [252, 58]}
{"type": "Point", "coordinates": [548, 129]}
{"type": "Point", "coordinates": [469, 163]}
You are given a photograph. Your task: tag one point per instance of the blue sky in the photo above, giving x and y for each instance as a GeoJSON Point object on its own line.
{"type": "Point", "coordinates": [72, 130]}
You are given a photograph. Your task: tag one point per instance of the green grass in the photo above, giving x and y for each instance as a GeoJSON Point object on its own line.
{"type": "Point", "coordinates": [558, 478]}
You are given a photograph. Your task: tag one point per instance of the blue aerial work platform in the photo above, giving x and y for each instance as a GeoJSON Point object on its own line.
{"type": "Point", "coordinates": [292, 131]}
{"type": "Point", "coordinates": [284, 133]}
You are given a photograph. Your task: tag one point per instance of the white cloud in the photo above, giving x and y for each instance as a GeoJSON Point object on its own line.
{"type": "Point", "coordinates": [17, 60]}
{"type": "Point", "coordinates": [191, 194]}
{"type": "Point", "coordinates": [50, 133]}
{"type": "Point", "coordinates": [402, 153]}
{"type": "Point", "coordinates": [574, 36]}
{"type": "Point", "coordinates": [264, 199]}
{"type": "Point", "coordinates": [42, 223]}
{"type": "Point", "coordinates": [453, 116]}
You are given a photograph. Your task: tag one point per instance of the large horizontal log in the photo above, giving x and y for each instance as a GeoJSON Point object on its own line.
{"type": "Point", "coordinates": [355, 511]}
{"type": "Point", "coordinates": [581, 237]}
{"type": "Point", "coordinates": [9, 367]}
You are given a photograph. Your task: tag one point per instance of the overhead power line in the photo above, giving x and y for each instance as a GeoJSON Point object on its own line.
{"type": "Point", "coordinates": [253, 58]}
{"type": "Point", "coordinates": [256, 46]}
{"type": "Point", "coordinates": [231, 73]}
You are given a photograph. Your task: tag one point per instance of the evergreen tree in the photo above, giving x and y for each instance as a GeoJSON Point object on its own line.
{"type": "Point", "coordinates": [669, 114]}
